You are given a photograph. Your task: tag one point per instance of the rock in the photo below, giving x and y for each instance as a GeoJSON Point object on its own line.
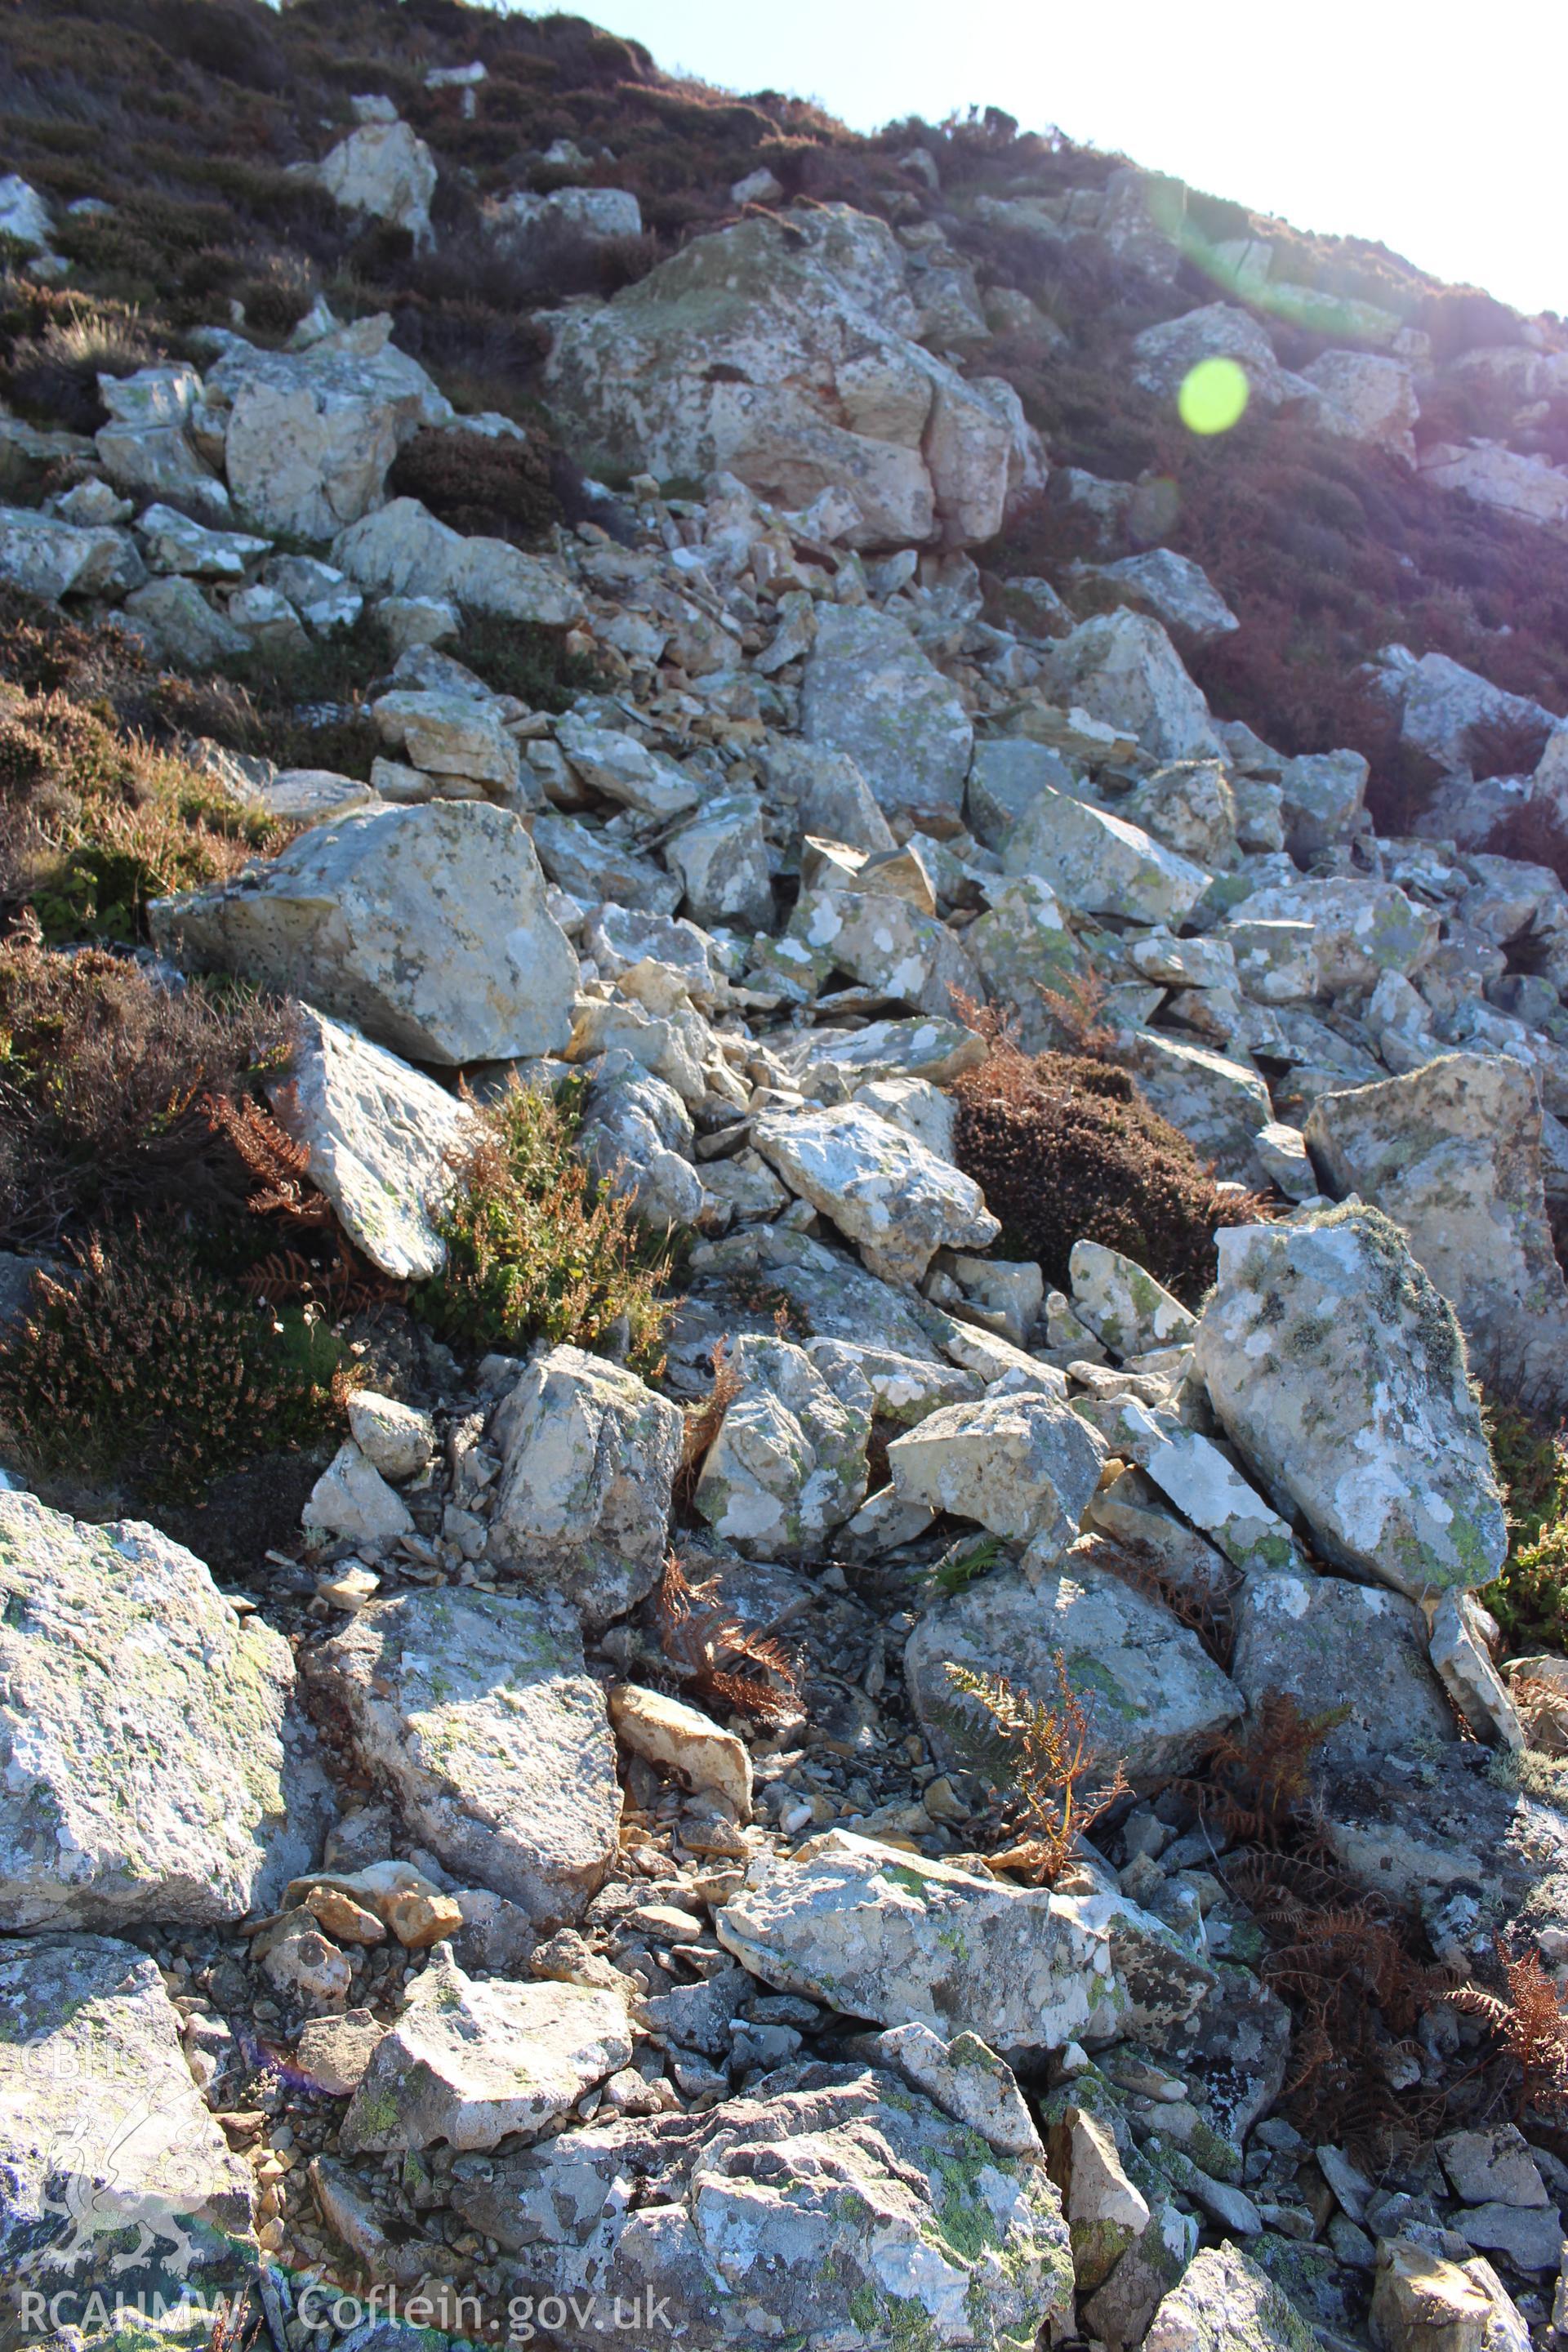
{"type": "Point", "coordinates": [332, 2052]}
{"type": "Point", "coordinates": [175, 620]}
{"type": "Point", "coordinates": [1493, 2167]}
{"type": "Point", "coordinates": [722, 862]}
{"type": "Point", "coordinates": [967, 2080]}
{"type": "Point", "coordinates": [788, 1464]}
{"type": "Point", "coordinates": [827, 2191]}
{"type": "Point", "coordinates": [886, 945]}
{"type": "Point", "coordinates": [871, 692]}
{"type": "Point", "coordinates": [1122, 668]}
{"type": "Point", "coordinates": [1366, 397]}
{"type": "Point", "coordinates": [1423, 2303]}
{"type": "Point", "coordinates": [49, 559]}
{"type": "Point", "coordinates": [1153, 1694]}
{"type": "Point", "coordinates": [1122, 1306]}
{"type": "Point", "coordinates": [598, 214]}
{"type": "Point", "coordinates": [1099, 864]}
{"type": "Point", "coordinates": [151, 1765]}
{"type": "Point", "coordinates": [1204, 1486]}
{"type": "Point", "coordinates": [624, 770]}
{"type": "Point", "coordinates": [1221, 1105]}
{"type": "Point", "coordinates": [1165, 353]}
{"type": "Point", "coordinates": [1275, 962]}
{"type": "Point", "coordinates": [1467, 1674]}
{"type": "Point", "coordinates": [1026, 954]}
{"type": "Point", "coordinates": [1224, 2303]}
{"type": "Point", "coordinates": [1324, 797]}
{"type": "Point", "coordinates": [1005, 776]}
{"type": "Point", "coordinates": [682, 1739]}
{"type": "Point", "coordinates": [352, 1499]}
{"type": "Point", "coordinates": [882, 1190]}
{"type": "Point", "coordinates": [1532, 2240]}
{"type": "Point", "coordinates": [114, 2179]}
{"type": "Point", "coordinates": [903, 1053]}
{"type": "Point", "coordinates": [467, 2061]}
{"type": "Point", "coordinates": [1339, 1372]}
{"type": "Point", "coordinates": [175, 543]}
{"type": "Point", "coordinates": [156, 461]}
{"type": "Point", "coordinates": [1189, 805]}
{"type": "Point", "coordinates": [318, 592]}
{"type": "Point", "coordinates": [474, 1710]}
{"type": "Point", "coordinates": [397, 1439]}
{"type": "Point", "coordinates": [1326, 1643]}
{"type": "Point", "coordinates": [637, 1134]}
{"type": "Point", "coordinates": [427, 925]}
{"type": "Point", "coordinates": [1495, 476]}
{"type": "Point", "coordinates": [891, 1937]}
{"type": "Point", "coordinates": [381, 1138]}
{"type": "Point", "coordinates": [403, 550]}
{"type": "Point", "coordinates": [1105, 2213]}
{"type": "Point", "coordinates": [1360, 930]}
{"type": "Point", "coordinates": [24, 215]}
{"type": "Point", "coordinates": [1023, 1465]}
{"type": "Point", "coordinates": [449, 735]}
{"type": "Point", "coordinates": [1177, 590]}
{"type": "Point", "coordinates": [1452, 1154]}
{"type": "Point", "coordinates": [782, 351]}
{"type": "Point", "coordinates": [589, 1456]}
{"type": "Point", "coordinates": [299, 1961]}
{"type": "Point", "coordinates": [384, 170]}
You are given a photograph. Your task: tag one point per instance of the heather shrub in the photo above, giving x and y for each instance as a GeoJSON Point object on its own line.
{"type": "Point", "coordinates": [499, 489]}
{"type": "Point", "coordinates": [1066, 1149]}
{"type": "Point", "coordinates": [538, 1248]}
{"type": "Point", "coordinates": [104, 1077]}
{"type": "Point", "coordinates": [138, 1364]}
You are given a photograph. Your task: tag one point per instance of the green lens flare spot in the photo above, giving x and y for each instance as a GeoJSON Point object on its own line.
{"type": "Point", "coordinates": [1212, 396]}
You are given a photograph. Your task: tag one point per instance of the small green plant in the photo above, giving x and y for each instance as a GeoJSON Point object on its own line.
{"type": "Point", "coordinates": [963, 1562]}
{"type": "Point", "coordinates": [1529, 1598]}
{"type": "Point", "coordinates": [1042, 1753]}
{"type": "Point", "coordinates": [538, 1248]}
{"type": "Point", "coordinates": [138, 1364]}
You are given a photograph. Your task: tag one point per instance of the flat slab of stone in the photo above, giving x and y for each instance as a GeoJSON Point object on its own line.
{"type": "Point", "coordinates": [113, 2176]}
{"type": "Point", "coordinates": [882, 1190]}
{"type": "Point", "coordinates": [149, 1756]}
{"type": "Point", "coordinates": [473, 1709]}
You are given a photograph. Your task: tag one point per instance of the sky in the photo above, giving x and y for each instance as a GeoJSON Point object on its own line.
{"type": "Point", "coordinates": [1437, 130]}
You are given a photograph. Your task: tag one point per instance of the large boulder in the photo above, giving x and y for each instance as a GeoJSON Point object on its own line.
{"type": "Point", "coordinates": [825, 2198]}
{"type": "Point", "coordinates": [473, 1710]}
{"type": "Point", "coordinates": [782, 351]}
{"type": "Point", "coordinates": [1101, 863]}
{"type": "Point", "coordinates": [310, 434]}
{"type": "Point", "coordinates": [1153, 1694]}
{"type": "Point", "coordinates": [47, 558]}
{"type": "Point", "coordinates": [1179, 593]}
{"type": "Point", "coordinates": [1366, 397]}
{"type": "Point", "coordinates": [382, 1138]}
{"type": "Point", "coordinates": [875, 1932]}
{"type": "Point", "coordinates": [788, 1464]}
{"type": "Point", "coordinates": [1330, 1644]}
{"type": "Point", "coordinates": [882, 1189]}
{"type": "Point", "coordinates": [403, 550]}
{"type": "Point", "coordinates": [1452, 1152]}
{"type": "Point", "coordinates": [1224, 2303]}
{"type": "Point", "coordinates": [886, 944]}
{"type": "Point", "coordinates": [427, 926]}
{"type": "Point", "coordinates": [384, 169]}
{"type": "Point", "coordinates": [1361, 928]}
{"type": "Point", "coordinates": [1446, 709]}
{"type": "Point", "coordinates": [1023, 1465]}
{"type": "Point", "coordinates": [1165, 354]}
{"type": "Point", "coordinates": [1495, 475]}
{"type": "Point", "coordinates": [1123, 667]}
{"type": "Point", "coordinates": [871, 693]}
{"type": "Point", "coordinates": [115, 2180]}
{"type": "Point", "coordinates": [589, 1456]}
{"type": "Point", "coordinates": [1338, 1372]}
{"type": "Point", "coordinates": [151, 1765]}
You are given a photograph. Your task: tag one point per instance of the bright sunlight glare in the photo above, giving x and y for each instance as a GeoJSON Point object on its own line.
{"type": "Point", "coordinates": [1436, 133]}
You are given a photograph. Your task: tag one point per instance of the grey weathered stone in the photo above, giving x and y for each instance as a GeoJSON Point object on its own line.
{"type": "Point", "coordinates": [1220, 1105]}
{"type": "Point", "coordinates": [175, 619]}
{"type": "Point", "coordinates": [1204, 1483]}
{"type": "Point", "coordinates": [474, 1711]}
{"type": "Point", "coordinates": [589, 1456]}
{"type": "Point", "coordinates": [1421, 2298]}
{"type": "Point", "coordinates": [1189, 805]}
{"type": "Point", "coordinates": [1005, 776]}
{"type": "Point", "coordinates": [385, 170]}
{"type": "Point", "coordinates": [402, 550]}
{"type": "Point", "coordinates": [175, 543]}
{"type": "Point", "coordinates": [1122, 668]}
{"type": "Point", "coordinates": [427, 925]}
{"type": "Point", "coordinates": [887, 945]}
{"type": "Point", "coordinates": [1339, 1372]}
{"type": "Point", "coordinates": [470, 2063]}
{"type": "Point", "coordinates": [870, 691]}
{"type": "Point", "coordinates": [721, 859]}
{"type": "Point", "coordinates": [882, 1189]}
{"type": "Point", "coordinates": [1359, 928]}
{"type": "Point", "coordinates": [382, 1139]}
{"type": "Point", "coordinates": [637, 1135]}
{"type": "Point", "coordinates": [965, 2078]}
{"type": "Point", "coordinates": [1325, 800]}
{"type": "Point", "coordinates": [1153, 1694]}
{"type": "Point", "coordinates": [352, 1499]}
{"type": "Point", "coordinates": [1328, 1644]}
{"type": "Point", "coordinates": [826, 2190]}
{"type": "Point", "coordinates": [1023, 1465]}
{"type": "Point", "coordinates": [1123, 1307]}
{"type": "Point", "coordinates": [51, 559]}
{"type": "Point", "coordinates": [1101, 863]}
{"type": "Point", "coordinates": [151, 1765]}
{"type": "Point", "coordinates": [1224, 2303]}
{"type": "Point", "coordinates": [1177, 590]}
{"type": "Point", "coordinates": [1452, 1154]}
{"type": "Point", "coordinates": [788, 1464]}
{"type": "Point", "coordinates": [115, 2180]}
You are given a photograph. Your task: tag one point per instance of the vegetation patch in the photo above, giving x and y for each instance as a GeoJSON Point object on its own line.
{"type": "Point", "coordinates": [1529, 1598]}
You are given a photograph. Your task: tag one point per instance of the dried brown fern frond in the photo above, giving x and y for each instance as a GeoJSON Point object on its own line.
{"type": "Point", "coordinates": [1257, 1782]}
{"type": "Point", "coordinates": [717, 1658]}
{"type": "Point", "coordinates": [1041, 1753]}
{"type": "Point", "coordinates": [347, 1285]}
{"type": "Point", "coordinates": [281, 1166]}
{"type": "Point", "coordinates": [1531, 2025]}
{"type": "Point", "coordinates": [1205, 1609]}
{"type": "Point", "coordinates": [705, 1421]}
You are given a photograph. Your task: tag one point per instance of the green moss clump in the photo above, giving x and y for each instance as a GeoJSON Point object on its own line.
{"type": "Point", "coordinates": [1529, 1598]}
{"type": "Point", "coordinates": [538, 1248]}
{"type": "Point", "coordinates": [1066, 1149]}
